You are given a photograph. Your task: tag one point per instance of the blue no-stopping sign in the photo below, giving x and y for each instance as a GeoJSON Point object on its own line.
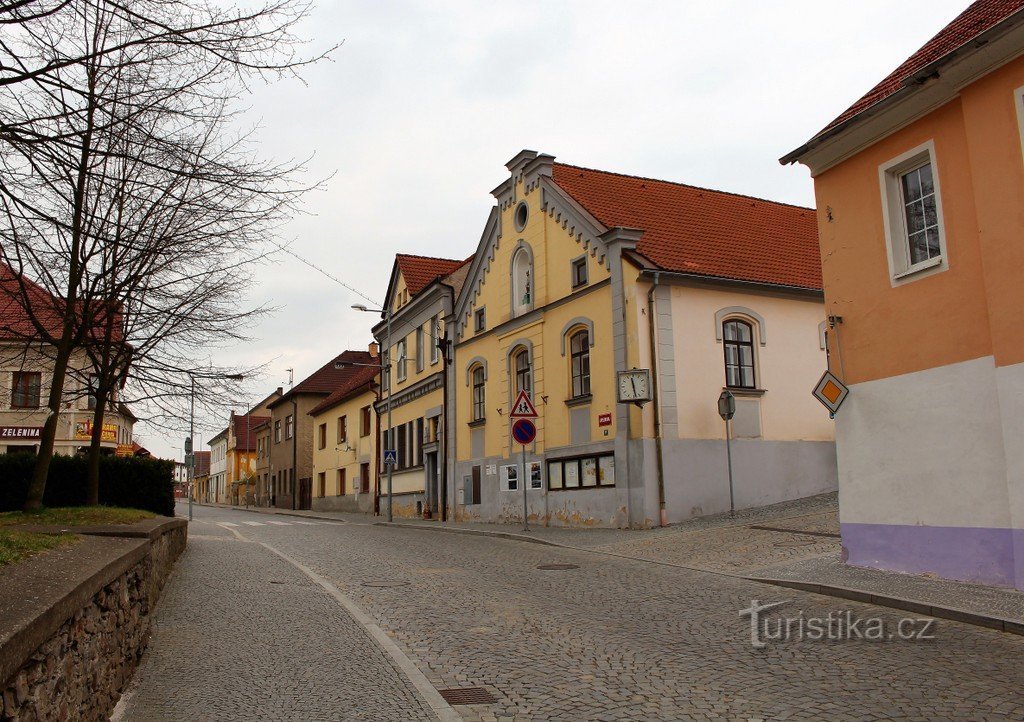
{"type": "Point", "coordinates": [524, 431]}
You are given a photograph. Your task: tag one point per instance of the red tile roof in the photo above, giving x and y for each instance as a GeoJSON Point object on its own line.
{"type": "Point", "coordinates": [327, 378]}
{"type": "Point", "coordinates": [420, 271]}
{"type": "Point", "coordinates": [245, 431]}
{"type": "Point", "coordinates": [202, 463]}
{"type": "Point", "coordinates": [703, 232]}
{"type": "Point", "coordinates": [361, 380]}
{"type": "Point", "coordinates": [15, 321]}
{"type": "Point", "coordinates": [976, 19]}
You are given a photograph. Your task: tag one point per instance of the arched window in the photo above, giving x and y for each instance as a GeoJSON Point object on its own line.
{"type": "Point", "coordinates": [738, 339]}
{"type": "Point", "coordinates": [478, 393]}
{"type": "Point", "coordinates": [522, 282]}
{"type": "Point", "coordinates": [579, 359]}
{"type": "Point", "coordinates": [524, 375]}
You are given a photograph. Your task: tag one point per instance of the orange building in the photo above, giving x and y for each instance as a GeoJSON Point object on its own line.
{"type": "Point", "coordinates": [920, 196]}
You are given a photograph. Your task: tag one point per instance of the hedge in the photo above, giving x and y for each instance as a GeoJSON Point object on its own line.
{"type": "Point", "coordinates": [127, 481]}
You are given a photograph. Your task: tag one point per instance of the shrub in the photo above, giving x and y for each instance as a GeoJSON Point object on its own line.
{"type": "Point", "coordinates": [125, 481]}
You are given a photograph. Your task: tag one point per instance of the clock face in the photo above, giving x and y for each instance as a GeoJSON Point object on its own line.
{"type": "Point", "coordinates": [634, 385]}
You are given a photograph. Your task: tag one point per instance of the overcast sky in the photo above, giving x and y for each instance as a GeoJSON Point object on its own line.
{"type": "Point", "coordinates": [424, 102]}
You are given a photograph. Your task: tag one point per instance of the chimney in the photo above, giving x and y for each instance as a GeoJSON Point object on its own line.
{"type": "Point", "coordinates": [374, 349]}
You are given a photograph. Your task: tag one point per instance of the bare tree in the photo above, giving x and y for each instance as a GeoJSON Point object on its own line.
{"type": "Point", "coordinates": [126, 194]}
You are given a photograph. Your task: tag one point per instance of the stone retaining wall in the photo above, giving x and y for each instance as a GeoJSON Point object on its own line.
{"type": "Point", "coordinates": [71, 645]}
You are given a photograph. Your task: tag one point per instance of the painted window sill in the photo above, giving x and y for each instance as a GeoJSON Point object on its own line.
{"type": "Point", "coordinates": [918, 268]}
{"type": "Point", "coordinates": [478, 422]}
{"type": "Point", "coordinates": [579, 400]}
{"type": "Point", "coordinates": [738, 391]}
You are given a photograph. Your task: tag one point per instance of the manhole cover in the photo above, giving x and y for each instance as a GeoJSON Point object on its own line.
{"type": "Point", "coordinates": [557, 567]}
{"type": "Point", "coordinates": [467, 695]}
{"type": "Point", "coordinates": [385, 584]}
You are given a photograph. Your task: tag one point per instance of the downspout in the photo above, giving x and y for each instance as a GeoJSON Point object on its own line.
{"type": "Point", "coordinates": [295, 453]}
{"type": "Point", "coordinates": [376, 457]}
{"type": "Point", "coordinates": [652, 309]}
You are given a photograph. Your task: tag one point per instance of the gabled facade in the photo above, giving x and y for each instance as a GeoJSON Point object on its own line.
{"type": "Point", "coordinates": [241, 451]}
{"type": "Point", "coordinates": [346, 435]}
{"type": "Point", "coordinates": [291, 429]}
{"type": "Point", "coordinates": [261, 432]}
{"type": "Point", "coordinates": [217, 490]}
{"type": "Point", "coordinates": [920, 186]}
{"type": "Point", "coordinates": [578, 275]}
{"type": "Point", "coordinates": [421, 295]}
{"type": "Point", "coordinates": [201, 477]}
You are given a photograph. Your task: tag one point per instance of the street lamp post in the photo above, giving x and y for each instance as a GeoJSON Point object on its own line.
{"type": "Point", "coordinates": [386, 368]}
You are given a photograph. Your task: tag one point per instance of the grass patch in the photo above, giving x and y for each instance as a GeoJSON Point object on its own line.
{"type": "Point", "coordinates": [75, 516]}
{"type": "Point", "coordinates": [16, 546]}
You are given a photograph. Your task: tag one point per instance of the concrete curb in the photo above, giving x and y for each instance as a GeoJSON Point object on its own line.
{"type": "Point", "coordinates": [275, 512]}
{"type": "Point", "coordinates": [475, 532]}
{"type": "Point", "coordinates": [909, 605]}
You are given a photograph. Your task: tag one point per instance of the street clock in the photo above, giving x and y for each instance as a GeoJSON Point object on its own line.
{"type": "Point", "coordinates": [635, 386]}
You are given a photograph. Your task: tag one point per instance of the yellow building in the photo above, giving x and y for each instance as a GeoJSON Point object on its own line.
{"type": "Point", "coordinates": [240, 455]}
{"type": "Point", "coordinates": [421, 296]}
{"type": "Point", "coordinates": [345, 439]}
{"type": "Point", "coordinates": [578, 275]}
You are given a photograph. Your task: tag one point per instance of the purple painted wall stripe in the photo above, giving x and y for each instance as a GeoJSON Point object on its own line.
{"type": "Point", "coordinates": [971, 554]}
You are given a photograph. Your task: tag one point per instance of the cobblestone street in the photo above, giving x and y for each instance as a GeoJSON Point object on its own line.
{"type": "Point", "coordinates": [243, 634]}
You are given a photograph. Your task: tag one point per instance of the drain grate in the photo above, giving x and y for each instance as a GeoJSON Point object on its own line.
{"type": "Point", "coordinates": [467, 695]}
{"type": "Point", "coordinates": [385, 584]}
{"type": "Point", "coordinates": [274, 581]}
{"type": "Point", "coordinates": [557, 567]}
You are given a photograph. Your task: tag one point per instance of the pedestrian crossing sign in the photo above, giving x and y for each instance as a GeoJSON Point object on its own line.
{"type": "Point", "coordinates": [390, 457]}
{"type": "Point", "coordinates": [523, 408]}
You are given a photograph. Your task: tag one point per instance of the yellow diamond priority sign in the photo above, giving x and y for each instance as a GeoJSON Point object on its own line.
{"type": "Point", "coordinates": [830, 391]}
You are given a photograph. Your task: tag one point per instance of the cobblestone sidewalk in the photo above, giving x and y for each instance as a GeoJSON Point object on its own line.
{"type": "Point", "coordinates": [242, 635]}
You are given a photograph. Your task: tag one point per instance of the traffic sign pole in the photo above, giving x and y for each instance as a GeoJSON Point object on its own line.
{"type": "Point", "coordinates": [522, 480]}
{"type": "Point", "coordinates": [524, 432]}
{"type": "Point", "coordinates": [727, 409]}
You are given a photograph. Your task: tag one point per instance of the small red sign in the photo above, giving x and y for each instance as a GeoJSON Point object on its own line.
{"type": "Point", "coordinates": [604, 419]}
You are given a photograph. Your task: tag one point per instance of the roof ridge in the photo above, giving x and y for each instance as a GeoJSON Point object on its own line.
{"type": "Point", "coordinates": [427, 258]}
{"type": "Point", "coordinates": [688, 185]}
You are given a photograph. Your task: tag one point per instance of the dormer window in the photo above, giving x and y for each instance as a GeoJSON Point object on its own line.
{"type": "Point", "coordinates": [522, 282]}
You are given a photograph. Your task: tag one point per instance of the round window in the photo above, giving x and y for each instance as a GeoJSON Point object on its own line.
{"type": "Point", "coordinates": [522, 214]}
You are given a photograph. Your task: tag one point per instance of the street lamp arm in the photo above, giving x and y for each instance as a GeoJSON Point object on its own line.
{"type": "Point", "coordinates": [343, 364]}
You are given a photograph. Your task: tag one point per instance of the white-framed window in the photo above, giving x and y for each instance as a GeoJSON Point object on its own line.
{"type": "Point", "coordinates": [509, 477]}
{"type": "Point", "coordinates": [912, 203]}
{"type": "Point", "coordinates": [402, 360]}
{"type": "Point", "coordinates": [435, 340]}
{"type": "Point", "coordinates": [738, 344]}
{"type": "Point", "coordinates": [579, 272]}
{"type": "Point", "coordinates": [479, 392]}
{"type": "Point", "coordinates": [419, 349]}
